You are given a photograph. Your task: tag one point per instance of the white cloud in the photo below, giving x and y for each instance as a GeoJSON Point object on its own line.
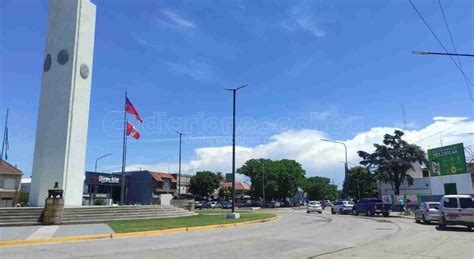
{"type": "Point", "coordinates": [301, 17]}
{"type": "Point", "coordinates": [318, 157]}
{"type": "Point", "coordinates": [194, 69]}
{"type": "Point", "coordinates": [177, 19]}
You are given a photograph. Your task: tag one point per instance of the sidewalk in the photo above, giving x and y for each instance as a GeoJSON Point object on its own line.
{"type": "Point", "coordinates": [43, 232]}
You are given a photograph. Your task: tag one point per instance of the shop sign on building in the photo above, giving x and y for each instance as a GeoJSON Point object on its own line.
{"type": "Point", "coordinates": [447, 160]}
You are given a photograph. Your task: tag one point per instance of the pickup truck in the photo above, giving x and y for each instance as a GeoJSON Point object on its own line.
{"type": "Point", "coordinates": [372, 206]}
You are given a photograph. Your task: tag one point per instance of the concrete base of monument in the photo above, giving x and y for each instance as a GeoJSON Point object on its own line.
{"type": "Point", "coordinates": [233, 215]}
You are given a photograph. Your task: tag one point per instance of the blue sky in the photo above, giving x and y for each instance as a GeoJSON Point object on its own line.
{"type": "Point", "coordinates": [341, 61]}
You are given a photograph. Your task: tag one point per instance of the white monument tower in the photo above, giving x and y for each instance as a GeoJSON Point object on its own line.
{"type": "Point", "coordinates": [61, 133]}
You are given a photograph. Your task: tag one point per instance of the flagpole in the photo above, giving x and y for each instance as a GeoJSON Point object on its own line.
{"type": "Point", "coordinates": [4, 134]}
{"type": "Point", "coordinates": [124, 152]}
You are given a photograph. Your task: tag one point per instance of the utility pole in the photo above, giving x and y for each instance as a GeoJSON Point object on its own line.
{"type": "Point", "coordinates": [346, 168]}
{"type": "Point", "coordinates": [263, 183]}
{"type": "Point", "coordinates": [5, 135]}
{"type": "Point", "coordinates": [179, 168]}
{"type": "Point", "coordinates": [234, 92]}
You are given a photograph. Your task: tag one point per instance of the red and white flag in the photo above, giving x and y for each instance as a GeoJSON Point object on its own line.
{"type": "Point", "coordinates": [132, 131]}
{"type": "Point", "coordinates": [131, 109]}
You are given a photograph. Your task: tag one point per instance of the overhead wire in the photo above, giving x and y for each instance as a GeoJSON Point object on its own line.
{"type": "Point", "coordinates": [445, 49]}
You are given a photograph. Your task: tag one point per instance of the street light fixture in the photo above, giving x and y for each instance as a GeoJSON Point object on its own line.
{"type": "Point", "coordinates": [179, 170]}
{"type": "Point", "coordinates": [97, 160]}
{"type": "Point", "coordinates": [345, 149]}
{"type": "Point", "coordinates": [418, 52]}
{"type": "Point", "coordinates": [234, 92]}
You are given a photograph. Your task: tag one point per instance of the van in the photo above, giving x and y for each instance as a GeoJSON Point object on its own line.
{"type": "Point", "coordinates": [456, 210]}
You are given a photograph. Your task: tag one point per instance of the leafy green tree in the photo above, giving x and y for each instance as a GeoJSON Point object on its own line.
{"type": "Point", "coordinates": [225, 192]}
{"type": "Point", "coordinates": [391, 161]}
{"type": "Point", "coordinates": [319, 188]}
{"type": "Point", "coordinates": [203, 184]}
{"type": "Point", "coordinates": [281, 178]}
{"type": "Point", "coordinates": [360, 183]}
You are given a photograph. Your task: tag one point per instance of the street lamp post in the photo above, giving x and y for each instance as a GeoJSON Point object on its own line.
{"type": "Point", "coordinates": [97, 160]}
{"type": "Point", "coordinates": [234, 92]}
{"type": "Point", "coordinates": [263, 183]}
{"type": "Point", "coordinates": [345, 149]}
{"type": "Point", "coordinates": [417, 52]}
{"type": "Point", "coordinates": [179, 170]}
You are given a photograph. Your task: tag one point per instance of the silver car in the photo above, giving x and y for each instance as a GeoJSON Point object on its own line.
{"type": "Point", "coordinates": [427, 212]}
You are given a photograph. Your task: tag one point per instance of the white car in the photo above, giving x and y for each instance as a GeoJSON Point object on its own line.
{"type": "Point", "coordinates": [427, 212]}
{"type": "Point", "coordinates": [213, 204]}
{"type": "Point", "coordinates": [456, 210]}
{"type": "Point", "coordinates": [342, 207]}
{"type": "Point", "coordinates": [314, 206]}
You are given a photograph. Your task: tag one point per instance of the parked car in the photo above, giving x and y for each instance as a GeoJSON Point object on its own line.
{"type": "Point", "coordinates": [212, 204]}
{"type": "Point", "coordinates": [314, 206]}
{"type": "Point", "coordinates": [427, 212]}
{"type": "Point", "coordinates": [342, 207]}
{"type": "Point", "coordinates": [226, 204]}
{"type": "Point", "coordinates": [456, 210]}
{"type": "Point", "coordinates": [272, 204]}
{"type": "Point", "coordinates": [371, 207]}
{"type": "Point", "coordinates": [327, 203]}
{"type": "Point", "coordinates": [198, 205]}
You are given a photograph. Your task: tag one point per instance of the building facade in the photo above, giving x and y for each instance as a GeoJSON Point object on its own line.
{"type": "Point", "coordinates": [10, 179]}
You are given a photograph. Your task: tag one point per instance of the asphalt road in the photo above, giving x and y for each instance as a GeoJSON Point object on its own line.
{"type": "Point", "coordinates": [296, 235]}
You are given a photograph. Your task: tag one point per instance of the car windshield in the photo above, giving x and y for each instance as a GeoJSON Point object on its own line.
{"type": "Point", "coordinates": [348, 203]}
{"type": "Point", "coordinates": [313, 203]}
{"type": "Point", "coordinates": [433, 206]}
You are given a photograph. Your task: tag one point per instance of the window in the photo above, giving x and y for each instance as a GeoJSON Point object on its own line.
{"type": "Point", "coordinates": [450, 202]}
{"type": "Point", "coordinates": [339, 203]}
{"type": "Point", "coordinates": [466, 203]}
{"type": "Point", "coordinates": [450, 188]}
{"type": "Point", "coordinates": [9, 183]}
{"type": "Point", "coordinates": [433, 206]}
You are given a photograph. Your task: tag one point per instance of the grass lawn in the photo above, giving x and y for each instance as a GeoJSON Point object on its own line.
{"type": "Point", "coordinates": [222, 211]}
{"type": "Point", "coordinates": [203, 219]}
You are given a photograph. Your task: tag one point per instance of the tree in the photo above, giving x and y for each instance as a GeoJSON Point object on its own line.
{"type": "Point", "coordinates": [319, 188]}
{"type": "Point", "coordinates": [391, 161]}
{"type": "Point", "coordinates": [281, 178]}
{"type": "Point", "coordinates": [203, 184]}
{"type": "Point", "coordinates": [225, 192]}
{"type": "Point", "coordinates": [360, 183]}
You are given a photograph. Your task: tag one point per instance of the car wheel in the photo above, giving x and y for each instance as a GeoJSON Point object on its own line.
{"type": "Point", "coordinates": [469, 228]}
{"type": "Point", "coordinates": [442, 224]}
{"type": "Point", "coordinates": [424, 219]}
{"type": "Point", "coordinates": [386, 214]}
{"type": "Point", "coordinates": [417, 220]}
{"type": "Point", "coordinates": [370, 213]}
{"type": "Point", "coordinates": [307, 211]}
{"type": "Point", "coordinates": [355, 213]}
{"type": "Point", "coordinates": [320, 212]}
{"type": "Point", "coordinates": [333, 211]}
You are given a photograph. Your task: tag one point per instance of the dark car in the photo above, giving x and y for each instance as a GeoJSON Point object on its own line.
{"type": "Point", "coordinates": [371, 207]}
{"type": "Point", "coordinates": [198, 205]}
{"type": "Point", "coordinates": [226, 205]}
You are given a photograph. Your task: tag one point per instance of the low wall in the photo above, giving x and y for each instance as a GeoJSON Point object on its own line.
{"type": "Point", "coordinates": [184, 204]}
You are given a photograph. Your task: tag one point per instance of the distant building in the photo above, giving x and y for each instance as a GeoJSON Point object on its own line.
{"type": "Point", "coordinates": [185, 182]}
{"type": "Point", "coordinates": [25, 184]}
{"type": "Point", "coordinates": [241, 189]}
{"type": "Point", "coordinates": [145, 187]}
{"type": "Point", "coordinates": [10, 178]}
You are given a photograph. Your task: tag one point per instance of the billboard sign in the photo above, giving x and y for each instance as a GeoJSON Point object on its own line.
{"type": "Point", "coordinates": [447, 160]}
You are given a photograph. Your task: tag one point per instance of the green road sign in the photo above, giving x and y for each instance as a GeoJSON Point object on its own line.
{"type": "Point", "coordinates": [447, 160]}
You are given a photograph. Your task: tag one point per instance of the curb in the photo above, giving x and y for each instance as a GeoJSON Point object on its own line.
{"type": "Point", "coordinates": [130, 234]}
